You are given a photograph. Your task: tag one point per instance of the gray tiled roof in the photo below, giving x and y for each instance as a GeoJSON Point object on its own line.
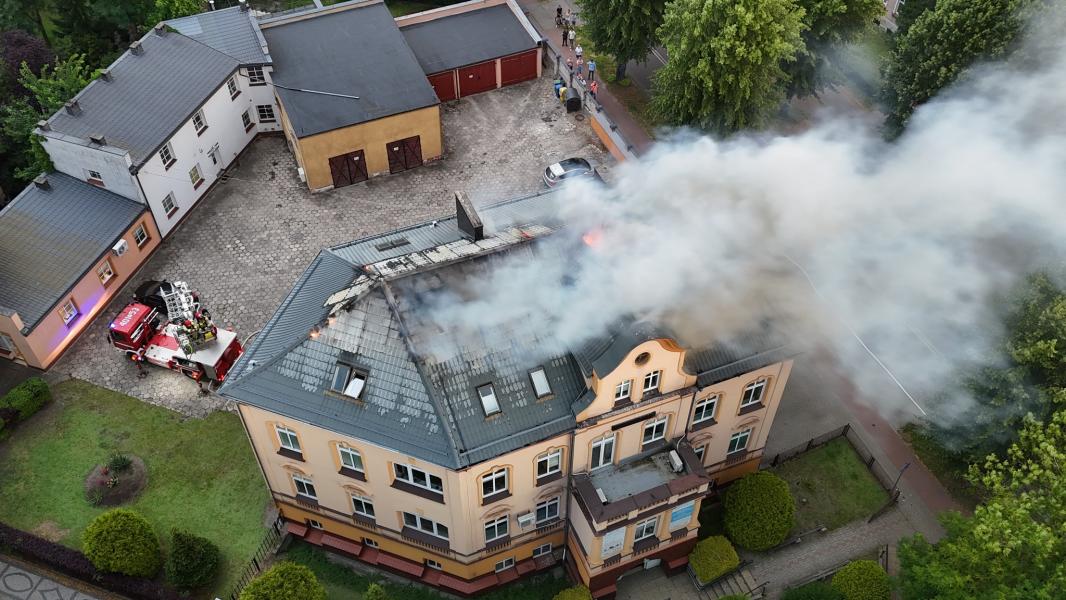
{"type": "Point", "coordinates": [467, 38]}
{"type": "Point", "coordinates": [50, 238]}
{"type": "Point", "coordinates": [231, 31]}
{"type": "Point", "coordinates": [150, 94]}
{"type": "Point", "coordinates": [357, 52]}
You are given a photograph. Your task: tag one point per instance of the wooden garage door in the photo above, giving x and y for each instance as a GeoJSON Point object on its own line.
{"type": "Point", "coordinates": [444, 85]}
{"type": "Point", "coordinates": [347, 169]}
{"type": "Point", "coordinates": [404, 154]}
{"type": "Point", "coordinates": [477, 78]}
{"type": "Point", "coordinates": [518, 67]}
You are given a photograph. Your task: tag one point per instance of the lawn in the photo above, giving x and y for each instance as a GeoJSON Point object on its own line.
{"type": "Point", "coordinates": [831, 486]}
{"type": "Point", "coordinates": [202, 475]}
{"type": "Point", "coordinates": [948, 467]}
{"type": "Point", "coordinates": [342, 583]}
{"type": "Point", "coordinates": [399, 8]}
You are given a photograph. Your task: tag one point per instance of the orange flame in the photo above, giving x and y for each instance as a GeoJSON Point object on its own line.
{"type": "Point", "coordinates": [593, 238]}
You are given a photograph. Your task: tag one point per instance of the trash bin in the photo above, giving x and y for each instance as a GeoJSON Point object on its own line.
{"type": "Point", "coordinates": [573, 100]}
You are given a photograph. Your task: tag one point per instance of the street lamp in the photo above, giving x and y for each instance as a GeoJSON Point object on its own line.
{"type": "Point", "coordinates": [898, 477]}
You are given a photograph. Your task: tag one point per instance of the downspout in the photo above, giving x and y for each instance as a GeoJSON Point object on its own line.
{"type": "Point", "coordinates": [569, 475]}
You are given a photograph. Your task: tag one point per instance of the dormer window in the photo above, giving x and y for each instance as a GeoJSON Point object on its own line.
{"type": "Point", "coordinates": [488, 399]}
{"type": "Point", "coordinates": [539, 379]}
{"type": "Point", "coordinates": [348, 381]}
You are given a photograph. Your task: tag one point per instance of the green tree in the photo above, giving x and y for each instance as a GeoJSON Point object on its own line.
{"type": "Point", "coordinates": [374, 591]}
{"type": "Point", "coordinates": [122, 541]}
{"type": "Point", "coordinates": [285, 581]}
{"type": "Point", "coordinates": [164, 10]}
{"type": "Point", "coordinates": [862, 580]}
{"type": "Point", "coordinates": [27, 15]}
{"type": "Point", "coordinates": [192, 561]}
{"type": "Point", "coordinates": [909, 13]}
{"type": "Point", "coordinates": [759, 511]}
{"type": "Point", "coordinates": [724, 72]}
{"type": "Point", "coordinates": [940, 45]}
{"type": "Point", "coordinates": [623, 28]}
{"type": "Point", "coordinates": [1012, 548]}
{"type": "Point", "coordinates": [100, 29]}
{"type": "Point", "coordinates": [829, 23]}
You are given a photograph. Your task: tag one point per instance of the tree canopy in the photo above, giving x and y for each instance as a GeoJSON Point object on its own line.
{"type": "Point", "coordinates": [828, 23]}
{"type": "Point", "coordinates": [623, 28]}
{"type": "Point", "coordinates": [910, 12]}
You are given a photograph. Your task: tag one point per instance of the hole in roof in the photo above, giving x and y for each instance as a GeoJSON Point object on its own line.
{"type": "Point", "coordinates": [391, 244]}
{"type": "Point", "coordinates": [642, 358]}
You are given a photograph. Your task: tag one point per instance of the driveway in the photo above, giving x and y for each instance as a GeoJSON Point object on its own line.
{"type": "Point", "coordinates": [248, 240]}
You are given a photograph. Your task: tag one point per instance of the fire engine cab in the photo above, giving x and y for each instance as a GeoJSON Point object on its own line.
{"type": "Point", "coordinates": [165, 325]}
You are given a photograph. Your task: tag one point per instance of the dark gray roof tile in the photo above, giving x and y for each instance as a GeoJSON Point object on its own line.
{"type": "Point", "coordinates": [467, 38]}
{"type": "Point", "coordinates": [231, 31]}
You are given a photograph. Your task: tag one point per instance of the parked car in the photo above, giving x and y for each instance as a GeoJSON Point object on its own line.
{"type": "Point", "coordinates": [567, 170]}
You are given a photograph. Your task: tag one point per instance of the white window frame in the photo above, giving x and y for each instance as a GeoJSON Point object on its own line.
{"type": "Point", "coordinates": [91, 175]}
{"type": "Point", "coordinates": [68, 311]}
{"type": "Point", "coordinates": [350, 375]}
{"type": "Point", "coordinates": [651, 381]}
{"type": "Point", "coordinates": [432, 564]}
{"type": "Point", "coordinates": [140, 236]}
{"type": "Point", "coordinates": [105, 272]}
{"type": "Point", "coordinates": [360, 505]}
{"type": "Point", "coordinates": [371, 543]}
{"type": "Point", "coordinates": [754, 392]}
{"type": "Point", "coordinates": [421, 522]}
{"type": "Point", "coordinates": [657, 427]}
{"type": "Point", "coordinates": [199, 116]}
{"type": "Point", "coordinates": [538, 378]}
{"type": "Point", "coordinates": [234, 89]}
{"type": "Point", "coordinates": [612, 542]}
{"type": "Point", "coordinates": [284, 433]}
{"type": "Point", "coordinates": [7, 344]}
{"type": "Point", "coordinates": [745, 434]}
{"type": "Point", "coordinates": [256, 76]}
{"type": "Point", "coordinates": [166, 155]}
{"type": "Point", "coordinates": [196, 168]}
{"type": "Point", "coordinates": [547, 505]}
{"type": "Point", "coordinates": [410, 477]}
{"type": "Point", "coordinates": [314, 524]}
{"type": "Point", "coordinates": [503, 565]}
{"type": "Point", "coordinates": [598, 458]}
{"type": "Point", "coordinates": [246, 120]}
{"type": "Point", "coordinates": [676, 524]}
{"type": "Point", "coordinates": [645, 529]}
{"type": "Point", "coordinates": [700, 452]}
{"type": "Point", "coordinates": [542, 549]}
{"type": "Point", "coordinates": [353, 456]}
{"type": "Point", "coordinates": [623, 390]}
{"type": "Point", "coordinates": [266, 113]}
{"type": "Point", "coordinates": [500, 528]}
{"type": "Point", "coordinates": [489, 403]}
{"type": "Point", "coordinates": [700, 414]}
{"type": "Point", "coordinates": [494, 483]}
{"type": "Point", "coordinates": [557, 456]}
{"type": "Point", "coordinates": [169, 199]}
{"type": "Point", "coordinates": [309, 490]}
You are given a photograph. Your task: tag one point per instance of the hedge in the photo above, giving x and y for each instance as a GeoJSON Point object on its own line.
{"type": "Point", "coordinates": [862, 580]}
{"type": "Point", "coordinates": [192, 562]}
{"type": "Point", "coordinates": [578, 592]}
{"type": "Point", "coordinates": [734, 597]}
{"type": "Point", "coordinates": [285, 581]}
{"type": "Point", "coordinates": [813, 591]}
{"type": "Point", "coordinates": [712, 558]}
{"type": "Point", "coordinates": [374, 591]}
{"type": "Point", "coordinates": [759, 511]}
{"type": "Point", "coordinates": [75, 564]}
{"type": "Point", "coordinates": [123, 541]}
{"type": "Point", "coordinates": [27, 397]}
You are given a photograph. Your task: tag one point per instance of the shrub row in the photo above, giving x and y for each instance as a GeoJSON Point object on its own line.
{"type": "Point", "coordinates": [579, 592]}
{"type": "Point", "coordinates": [26, 398]}
{"type": "Point", "coordinates": [862, 580]}
{"type": "Point", "coordinates": [285, 581]}
{"type": "Point", "coordinates": [759, 511]}
{"type": "Point", "coordinates": [712, 558]}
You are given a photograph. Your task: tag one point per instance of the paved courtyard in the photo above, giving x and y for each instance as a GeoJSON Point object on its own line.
{"type": "Point", "coordinates": [248, 240]}
{"type": "Point", "coordinates": [17, 583]}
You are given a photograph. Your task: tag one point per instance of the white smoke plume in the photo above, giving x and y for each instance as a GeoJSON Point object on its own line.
{"type": "Point", "coordinates": [906, 243]}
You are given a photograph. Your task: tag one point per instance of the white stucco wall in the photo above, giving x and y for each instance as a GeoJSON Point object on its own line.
{"type": "Point", "coordinates": [76, 158]}
{"type": "Point", "coordinates": [255, 95]}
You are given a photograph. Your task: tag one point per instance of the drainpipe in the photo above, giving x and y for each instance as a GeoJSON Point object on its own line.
{"type": "Point", "coordinates": [569, 475]}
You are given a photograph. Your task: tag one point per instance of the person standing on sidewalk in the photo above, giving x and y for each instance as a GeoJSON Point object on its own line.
{"type": "Point", "coordinates": [558, 16]}
{"type": "Point", "coordinates": [593, 86]}
{"type": "Point", "coordinates": [573, 36]}
{"type": "Point", "coordinates": [580, 67]}
{"type": "Point", "coordinates": [566, 35]}
{"type": "Point", "coordinates": [592, 70]}
{"type": "Point", "coordinates": [578, 50]}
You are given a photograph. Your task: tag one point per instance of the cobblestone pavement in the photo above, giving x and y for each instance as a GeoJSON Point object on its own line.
{"type": "Point", "coordinates": [20, 584]}
{"type": "Point", "coordinates": [247, 241]}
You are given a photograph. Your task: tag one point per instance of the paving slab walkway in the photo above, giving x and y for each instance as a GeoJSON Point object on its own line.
{"type": "Point", "coordinates": [23, 582]}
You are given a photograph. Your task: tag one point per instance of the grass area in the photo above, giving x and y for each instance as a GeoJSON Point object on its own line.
{"type": "Point", "coordinates": [202, 475]}
{"type": "Point", "coordinates": [711, 520]}
{"type": "Point", "coordinates": [831, 486]}
{"type": "Point", "coordinates": [947, 466]}
{"type": "Point", "coordinates": [342, 583]}
{"type": "Point", "coordinates": [399, 8]}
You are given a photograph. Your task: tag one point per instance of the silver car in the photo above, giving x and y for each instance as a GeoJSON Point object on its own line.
{"type": "Point", "coordinates": [567, 170]}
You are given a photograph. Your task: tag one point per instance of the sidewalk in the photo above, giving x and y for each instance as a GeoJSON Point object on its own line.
{"type": "Point", "coordinates": [542, 14]}
{"type": "Point", "coordinates": [19, 582]}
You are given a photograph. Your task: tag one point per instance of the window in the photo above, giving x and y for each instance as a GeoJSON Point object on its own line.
{"type": "Point", "coordinates": [195, 176]}
{"type": "Point", "coordinates": [304, 487]}
{"type": "Point", "coordinates": [681, 516]}
{"type": "Point", "coordinates": [651, 382]}
{"type": "Point", "coordinates": [646, 528]}
{"type": "Point", "coordinates": [348, 381]}
{"type": "Point", "coordinates": [612, 542]}
{"type": "Point", "coordinates": [255, 76]}
{"type": "Point", "coordinates": [7, 345]}
{"type": "Point", "coordinates": [419, 477]}
{"type": "Point", "coordinates": [496, 529]}
{"type": "Point", "coordinates": [140, 236]}
{"type": "Point", "coordinates": [603, 452]}
{"type": "Point", "coordinates": [423, 524]}
{"type": "Point", "coordinates": [247, 120]}
{"type": "Point", "coordinates": [705, 409]}
{"type": "Point", "coordinates": [550, 463]}
{"type": "Point", "coordinates": [542, 550]}
{"type": "Point", "coordinates": [363, 506]}
{"type": "Point", "coordinates": [494, 483]}
{"type": "Point", "coordinates": [621, 391]}
{"type": "Point", "coordinates": [67, 311]}
{"type": "Point", "coordinates": [166, 154]}
{"type": "Point", "coordinates": [231, 85]}
{"type": "Point", "coordinates": [266, 113]}
{"type": "Point", "coordinates": [94, 177]}
{"type": "Point", "coordinates": [739, 441]}
{"type": "Point", "coordinates": [199, 122]}
{"type": "Point", "coordinates": [505, 564]}
{"type": "Point", "coordinates": [169, 206]}
{"type": "Point", "coordinates": [314, 524]}
{"type": "Point", "coordinates": [700, 451]}
{"type": "Point", "coordinates": [655, 430]}
{"type": "Point", "coordinates": [540, 383]}
{"type": "Point", "coordinates": [642, 358]}
{"type": "Point", "coordinates": [351, 459]}
{"type": "Point", "coordinates": [432, 564]}
{"type": "Point", "coordinates": [287, 438]}
{"type": "Point", "coordinates": [753, 393]}
{"type": "Point", "coordinates": [105, 272]}
{"type": "Point", "coordinates": [547, 510]}
{"type": "Point", "coordinates": [370, 543]}
{"type": "Point", "coordinates": [488, 399]}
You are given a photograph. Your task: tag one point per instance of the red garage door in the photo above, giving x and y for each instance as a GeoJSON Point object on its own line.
{"type": "Point", "coordinates": [518, 67]}
{"type": "Point", "coordinates": [444, 85]}
{"type": "Point", "coordinates": [477, 78]}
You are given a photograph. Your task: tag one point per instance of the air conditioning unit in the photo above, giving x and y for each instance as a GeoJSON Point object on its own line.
{"type": "Point", "coordinates": [300, 173]}
{"type": "Point", "coordinates": [120, 248]}
{"type": "Point", "coordinates": [526, 519]}
{"type": "Point", "coordinates": [675, 462]}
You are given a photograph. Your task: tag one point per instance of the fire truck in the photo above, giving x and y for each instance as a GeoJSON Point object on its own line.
{"type": "Point", "coordinates": [165, 325]}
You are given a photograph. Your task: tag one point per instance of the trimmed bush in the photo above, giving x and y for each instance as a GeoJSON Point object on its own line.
{"type": "Point", "coordinates": [712, 558]}
{"type": "Point", "coordinates": [862, 580]}
{"type": "Point", "coordinates": [192, 562]}
{"type": "Point", "coordinates": [285, 581]}
{"type": "Point", "coordinates": [374, 591]}
{"type": "Point", "coordinates": [122, 541]}
{"type": "Point", "coordinates": [27, 397]}
{"type": "Point", "coordinates": [759, 511]}
{"type": "Point", "coordinates": [578, 592]}
{"type": "Point", "coordinates": [813, 591]}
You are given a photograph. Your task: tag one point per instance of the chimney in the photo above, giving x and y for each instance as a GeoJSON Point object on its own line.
{"type": "Point", "coordinates": [160, 29]}
{"type": "Point", "coordinates": [135, 48]}
{"type": "Point", "coordinates": [106, 75]}
{"type": "Point", "coordinates": [244, 5]}
{"type": "Point", "coordinates": [43, 126]}
{"type": "Point", "coordinates": [41, 181]}
{"type": "Point", "coordinates": [98, 139]}
{"type": "Point", "coordinates": [468, 220]}
{"type": "Point", "coordinates": [73, 108]}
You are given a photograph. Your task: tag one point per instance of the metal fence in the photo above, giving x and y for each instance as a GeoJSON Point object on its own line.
{"type": "Point", "coordinates": [879, 472]}
{"type": "Point", "coordinates": [259, 559]}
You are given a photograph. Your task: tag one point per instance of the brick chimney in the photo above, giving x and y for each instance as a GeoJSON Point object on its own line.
{"type": "Point", "coordinates": [106, 75]}
{"type": "Point", "coordinates": [468, 220]}
{"type": "Point", "coordinates": [160, 29]}
{"type": "Point", "coordinates": [135, 48]}
{"type": "Point", "coordinates": [98, 139]}
{"type": "Point", "coordinates": [41, 181]}
{"type": "Point", "coordinates": [73, 108]}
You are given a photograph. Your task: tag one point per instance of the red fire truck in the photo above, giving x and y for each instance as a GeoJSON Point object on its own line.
{"type": "Point", "coordinates": [165, 325]}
